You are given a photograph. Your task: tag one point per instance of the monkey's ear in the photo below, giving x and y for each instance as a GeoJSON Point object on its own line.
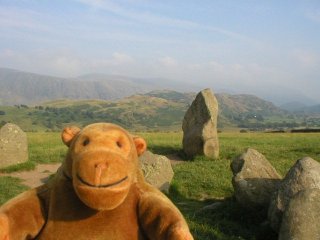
{"type": "Point", "coordinates": [140, 144]}
{"type": "Point", "coordinates": [68, 133]}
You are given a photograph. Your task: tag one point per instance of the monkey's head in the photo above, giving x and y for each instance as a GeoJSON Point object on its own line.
{"type": "Point", "coordinates": [102, 162]}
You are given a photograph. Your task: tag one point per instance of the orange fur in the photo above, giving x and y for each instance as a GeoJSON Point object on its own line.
{"type": "Point", "coordinates": [98, 193]}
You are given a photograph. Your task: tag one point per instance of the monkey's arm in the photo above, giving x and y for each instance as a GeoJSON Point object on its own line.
{"type": "Point", "coordinates": [22, 217]}
{"type": "Point", "coordinates": [160, 218]}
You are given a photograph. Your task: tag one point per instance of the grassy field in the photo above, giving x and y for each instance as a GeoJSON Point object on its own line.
{"type": "Point", "coordinates": [199, 182]}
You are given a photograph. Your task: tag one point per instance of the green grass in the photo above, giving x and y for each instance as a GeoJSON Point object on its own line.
{"type": "Point", "coordinates": [10, 187]}
{"type": "Point", "coordinates": [198, 182]}
{"type": "Point", "coordinates": [163, 142]}
{"type": "Point", "coordinates": [46, 147]}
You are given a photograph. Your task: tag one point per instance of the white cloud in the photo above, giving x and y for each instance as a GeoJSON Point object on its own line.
{"type": "Point", "coordinates": [121, 58]}
{"type": "Point", "coordinates": [97, 3]}
{"type": "Point", "coordinates": [66, 65]}
{"type": "Point", "coordinates": [216, 66]}
{"type": "Point", "coordinates": [20, 18]}
{"type": "Point", "coordinates": [9, 53]}
{"type": "Point", "coordinates": [63, 62]}
{"type": "Point", "coordinates": [305, 58]}
{"type": "Point", "coordinates": [314, 15]}
{"type": "Point", "coordinates": [150, 18]}
{"type": "Point", "coordinates": [168, 61]}
{"type": "Point", "coordinates": [57, 63]}
{"type": "Point", "coordinates": [237, 77]}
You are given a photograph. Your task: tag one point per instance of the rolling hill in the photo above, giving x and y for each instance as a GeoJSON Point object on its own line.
{"type": "Point", "coordinates": [156, 110]}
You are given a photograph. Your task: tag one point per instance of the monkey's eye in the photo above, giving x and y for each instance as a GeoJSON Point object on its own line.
{"type": "Point", "coordinates": [119, 144]}
{"type": "Point", "coordinates": [86, 142]}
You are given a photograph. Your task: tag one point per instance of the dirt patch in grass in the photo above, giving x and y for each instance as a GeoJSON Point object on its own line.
{"type": "Point", "coordinates": [36, 177]}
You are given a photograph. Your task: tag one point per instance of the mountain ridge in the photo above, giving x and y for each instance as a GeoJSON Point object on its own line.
{"type": "Point", "coordinates": [19, 87]}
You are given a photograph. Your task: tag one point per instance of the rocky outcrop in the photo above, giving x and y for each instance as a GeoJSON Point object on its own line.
{"type": "Point", "coordinates": [200, 126]}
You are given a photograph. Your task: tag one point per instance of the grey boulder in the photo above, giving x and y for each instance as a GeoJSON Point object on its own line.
{"type": "Point", "coordinates": [301, 219]}
{"type": "Point", "coordinates": [254, 179]}
{"type": "Point", "coordinates": [304, 174]}
{"type": "Point", "coordinates": [157, 170]}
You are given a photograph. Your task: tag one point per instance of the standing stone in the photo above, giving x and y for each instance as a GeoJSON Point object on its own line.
{"type": "Point", "coordinates": [157, 170]}
{"type": "Point", "coordinates": [301, 219]}
{"type": "Point", "coordinates": [13, 145]}
{"type": "Point", "coordinates": [304, 174]}
{"type": "Point", "coordinates": [254, 179]}
{"type": "Point", "coordinates": [200, 126]}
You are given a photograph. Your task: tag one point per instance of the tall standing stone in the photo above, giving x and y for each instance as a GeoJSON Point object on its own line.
{"type": "Point", "coordinates": [199, 126]}
{"type": "Point", "coordinates": [13, 145]}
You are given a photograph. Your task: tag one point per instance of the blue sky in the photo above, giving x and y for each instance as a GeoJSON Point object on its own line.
{"type": "Point", "coordinates": [269, 48]}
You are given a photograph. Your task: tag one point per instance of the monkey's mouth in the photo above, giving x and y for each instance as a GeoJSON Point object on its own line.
{"type": "Point", "coordinates": [104, 185]}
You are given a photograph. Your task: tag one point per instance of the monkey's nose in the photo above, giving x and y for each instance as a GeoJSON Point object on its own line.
{"type": "Point", "coordinates": [98, 172]}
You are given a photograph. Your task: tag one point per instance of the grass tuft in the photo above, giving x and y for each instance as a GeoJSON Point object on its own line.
{"type": "Point", "coordinates": [26, 166]}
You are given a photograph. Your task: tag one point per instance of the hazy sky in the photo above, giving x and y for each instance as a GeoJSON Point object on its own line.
{"type": "Point", "coordinates": [264, 47]}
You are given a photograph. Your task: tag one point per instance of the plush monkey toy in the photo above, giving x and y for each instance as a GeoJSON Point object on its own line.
{"type": "Point", "coordinates": [99, 193]}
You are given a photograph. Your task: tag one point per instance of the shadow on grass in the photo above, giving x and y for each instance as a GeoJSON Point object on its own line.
{"type": "Point", "coordinates": [222, 219]}
{"type": "Point", "coordinates": [172, 150]}
{"type": "Point", "coordinates": [168, 150]}
{"type": "Point", "coordinates": [163, 149]}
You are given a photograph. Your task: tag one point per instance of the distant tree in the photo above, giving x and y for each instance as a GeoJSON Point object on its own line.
{"type": "Point", "coordinates": [259, 117]}
{"type": "Point", "coordinates": [73, 117]}
{"type": "Point", "coordinates": [49, 124]}
{"type": "Point", "coordinates": [39, 107]}
{"type": "Point", "coordinates": [2, 123]}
